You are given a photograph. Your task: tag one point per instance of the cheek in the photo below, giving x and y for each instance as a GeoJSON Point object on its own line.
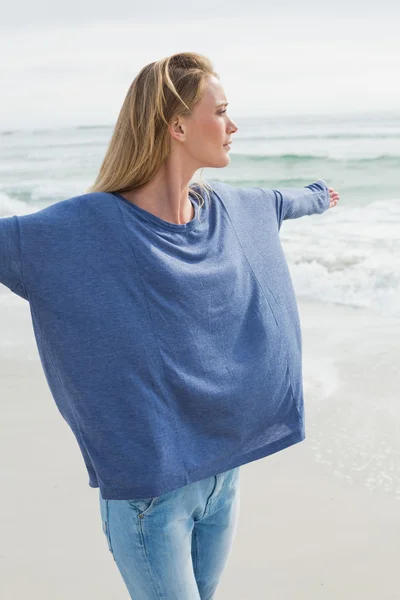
{"type": "Point", "coordinates": [207, 134]}
{"type": "Point", "coordinates": [213, 130]}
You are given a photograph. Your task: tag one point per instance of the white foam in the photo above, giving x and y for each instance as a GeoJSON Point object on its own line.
{"type": "Point", "coordinates": [347, 255]}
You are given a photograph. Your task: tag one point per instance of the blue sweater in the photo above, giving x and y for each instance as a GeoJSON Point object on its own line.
{"type": "Point", "coordinates": [172, 351]}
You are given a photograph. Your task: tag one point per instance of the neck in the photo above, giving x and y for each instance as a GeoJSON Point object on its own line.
{"type": "Point", "coordinates": [166, 195]}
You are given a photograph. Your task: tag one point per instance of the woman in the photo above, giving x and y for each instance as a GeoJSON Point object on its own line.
{"type": "Point", "coordinates": [167, 327]}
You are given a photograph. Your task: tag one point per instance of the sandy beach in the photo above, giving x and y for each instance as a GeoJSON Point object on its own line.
{"type": "Point", "coordinates": [319, 520]}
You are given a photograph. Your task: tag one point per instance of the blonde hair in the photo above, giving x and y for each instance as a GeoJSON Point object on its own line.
{"type": "Point", "coordinates": [140, 143]}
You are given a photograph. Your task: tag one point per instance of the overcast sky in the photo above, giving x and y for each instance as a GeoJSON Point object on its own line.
{"type": "Point", "coordinates": [74, 67]}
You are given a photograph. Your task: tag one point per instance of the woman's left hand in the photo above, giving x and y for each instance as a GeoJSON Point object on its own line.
{"type": "Point", "coordinates": [334, 196]}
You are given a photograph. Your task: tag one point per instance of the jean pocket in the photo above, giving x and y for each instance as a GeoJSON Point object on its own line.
{"type": "Point", "coordinates": [143, 506]}
{"type": "Point", "coordinates": [107, 534]}
{"type": "Point", "coordinates": [106, 523]}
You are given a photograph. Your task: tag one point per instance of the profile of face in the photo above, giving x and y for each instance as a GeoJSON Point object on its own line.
{"type": "Point", "coordinates": [203, 136]}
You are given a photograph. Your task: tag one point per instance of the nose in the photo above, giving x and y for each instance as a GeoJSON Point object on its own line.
{"type": "Point", "coordinates": [234, 127]}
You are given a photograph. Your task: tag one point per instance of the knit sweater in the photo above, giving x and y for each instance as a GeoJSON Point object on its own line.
{"type": "Point", "coordinates": [172, 351]}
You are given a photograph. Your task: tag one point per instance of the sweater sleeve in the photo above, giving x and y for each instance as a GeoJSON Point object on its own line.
{"type": "Point", "coordinates": [292, 203]}
{"type": "Point", "coordinates": [10, 255]}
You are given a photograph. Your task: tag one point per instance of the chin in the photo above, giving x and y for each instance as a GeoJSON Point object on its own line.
{"type": "Point", "coordinates": [220, 164]}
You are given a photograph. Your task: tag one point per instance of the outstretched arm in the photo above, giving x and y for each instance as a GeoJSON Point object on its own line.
{"type": "Point", "coordinates": [292, 203]}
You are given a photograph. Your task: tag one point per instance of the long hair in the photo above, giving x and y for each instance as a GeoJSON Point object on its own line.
{"type": "Point", "coordinates": [140, 142]}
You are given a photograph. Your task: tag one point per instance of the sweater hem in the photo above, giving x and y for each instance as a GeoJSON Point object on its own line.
{"type": "Point", "coordinates": [131, 492]}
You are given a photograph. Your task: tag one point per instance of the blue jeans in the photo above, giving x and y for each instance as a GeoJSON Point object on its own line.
{"type": "Point", "coordinates": [176, 545]}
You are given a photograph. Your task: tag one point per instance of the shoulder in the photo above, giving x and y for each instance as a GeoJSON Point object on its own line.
{"type": "Point", "coordinates": [71, 211]}
{"type": "Point", "coordinates": [233, 193]}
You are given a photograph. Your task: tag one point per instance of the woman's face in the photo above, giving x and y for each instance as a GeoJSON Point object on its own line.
{"type": "Point", "coordinates": [209, 128]}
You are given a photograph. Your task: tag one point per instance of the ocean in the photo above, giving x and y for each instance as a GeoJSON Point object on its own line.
{"type": "Point", "coordinates": [348, 255]}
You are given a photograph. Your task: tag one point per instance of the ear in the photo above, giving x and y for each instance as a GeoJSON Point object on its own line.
{"type": "Point", "coordinates": [177, 130]}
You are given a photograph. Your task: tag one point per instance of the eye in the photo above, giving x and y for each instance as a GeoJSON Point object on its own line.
{"type": "Point", "coordinates": [222, 111]}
